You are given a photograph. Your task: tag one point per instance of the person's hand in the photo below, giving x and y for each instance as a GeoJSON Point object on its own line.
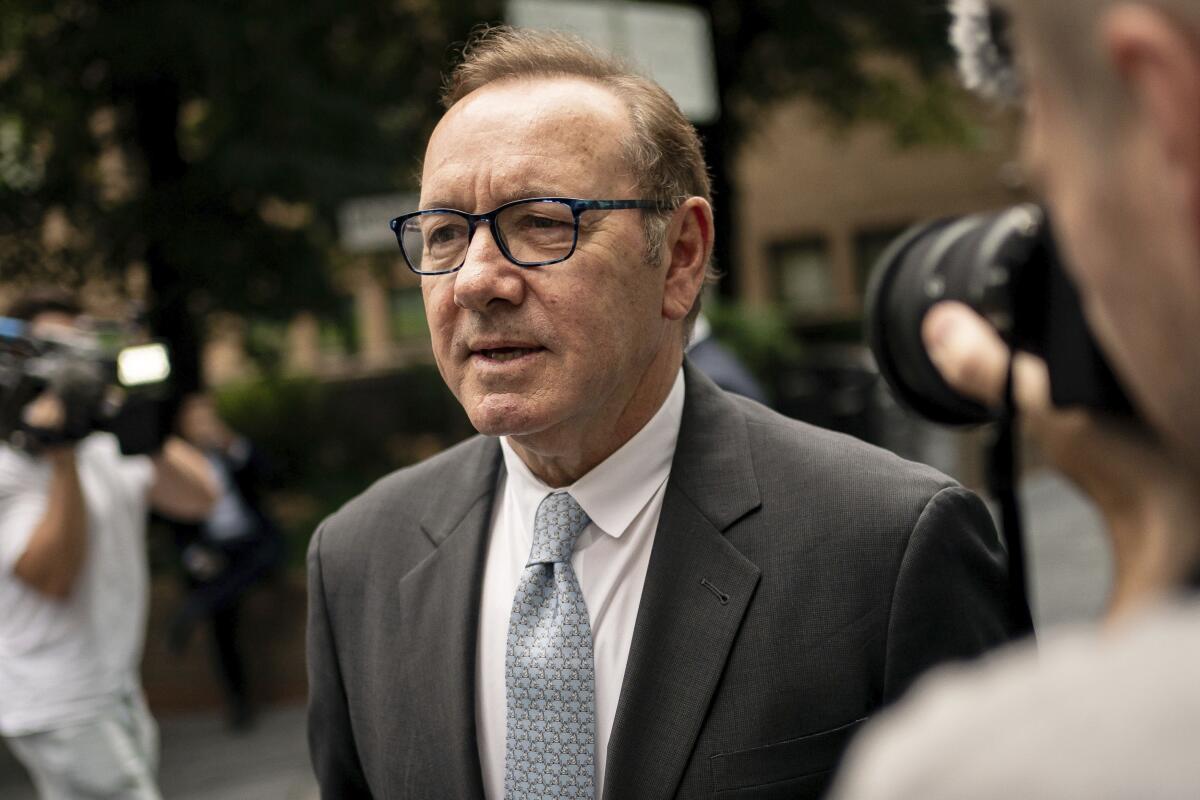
{"type": "Point", "coordinates": [47, 413]}
{"type": "Point", "coordinates": [1149, 500]}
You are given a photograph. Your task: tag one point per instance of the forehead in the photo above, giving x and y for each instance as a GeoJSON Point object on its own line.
{"type": "Point", "coordinates": [517, 138]}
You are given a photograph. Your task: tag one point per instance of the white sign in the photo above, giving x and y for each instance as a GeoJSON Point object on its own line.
{"type": "Point", "coordinates": [363, 221]}
{"type": "Point", "coordinates": [671, 44]}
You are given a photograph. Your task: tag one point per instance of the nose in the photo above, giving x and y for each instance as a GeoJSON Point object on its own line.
{"type": "Point", "coordinates": [486, 276]}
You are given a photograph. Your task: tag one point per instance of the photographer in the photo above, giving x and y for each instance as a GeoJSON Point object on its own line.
{"type": "Point", "coordinates": [73, 586]}
{"type": "Point", "coordinates": [1113, 138]}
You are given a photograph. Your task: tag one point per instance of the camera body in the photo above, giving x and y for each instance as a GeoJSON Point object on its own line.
{"type": "Point", "coordinates": [1006, 267]}
{"type": "Point", "coordinates": [102, 386]}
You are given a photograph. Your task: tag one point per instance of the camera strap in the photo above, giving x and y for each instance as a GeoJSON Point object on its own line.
{"type": "Point", "coordinates": [1003, 462]}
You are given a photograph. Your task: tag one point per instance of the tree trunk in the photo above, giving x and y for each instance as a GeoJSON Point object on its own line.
{"type": "Point", "coordinates": [156, 105]}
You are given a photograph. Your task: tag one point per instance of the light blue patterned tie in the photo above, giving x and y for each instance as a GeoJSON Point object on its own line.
{"type": "Point", "coordinates": [548, 667]}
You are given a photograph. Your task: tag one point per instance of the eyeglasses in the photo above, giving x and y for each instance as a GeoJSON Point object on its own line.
{"type": "Point", "coordinates": [530, 233]}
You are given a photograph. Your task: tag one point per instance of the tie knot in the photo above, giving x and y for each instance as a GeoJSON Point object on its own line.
{"type": "Point", "coordinates": [558, 523]}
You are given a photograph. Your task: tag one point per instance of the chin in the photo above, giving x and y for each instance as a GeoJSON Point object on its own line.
{"type": "Point", "coordinates": [505, 416]}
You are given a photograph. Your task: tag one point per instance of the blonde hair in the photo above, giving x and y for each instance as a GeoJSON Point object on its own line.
{"type": "Point", "coordinates": [1062, 36]}
{"type": "Point", "coordinates": [663, 150]}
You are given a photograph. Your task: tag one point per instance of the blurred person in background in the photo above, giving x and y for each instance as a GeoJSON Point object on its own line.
{"type": "Point", "coordinates": [73, 590]}
{"type": "Point", "coordinates": [1112, 137]}
{"type": "Point", "coordinates": [237, 546]}
{"type": "Point", "coordinates": [632, 584]}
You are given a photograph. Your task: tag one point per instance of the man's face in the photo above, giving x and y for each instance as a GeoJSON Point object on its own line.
{"type": "Point", "coordinates": [199, 423]}
{"type": "Point", "coordinates": [1124, 214]}
{"type": "Point", "coordinates": [543, 350]}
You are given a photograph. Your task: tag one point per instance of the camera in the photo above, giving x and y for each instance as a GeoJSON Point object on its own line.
{"type": "Point", "coordinates": [1006, 267]}
{"type": "Point", "coordinates": [103, 384]}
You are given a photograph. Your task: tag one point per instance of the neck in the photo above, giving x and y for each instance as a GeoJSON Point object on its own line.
{"type": "Point", "coordinates": [566, 456]}
{"type": "Point", "coordinates": [1156, 547]}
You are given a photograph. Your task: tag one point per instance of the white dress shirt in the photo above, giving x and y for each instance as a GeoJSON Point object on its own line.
{"type": "Point", "coordinates": [64, 661]}
{"type": "Point", "coordinates": [623, 497]}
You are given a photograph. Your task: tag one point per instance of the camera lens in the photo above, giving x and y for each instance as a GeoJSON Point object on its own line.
{"type": "Point", "coordinates": [973, 260]}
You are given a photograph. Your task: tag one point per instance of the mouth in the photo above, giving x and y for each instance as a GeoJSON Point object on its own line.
{"type": "Point", "coordinates": [503, 355]}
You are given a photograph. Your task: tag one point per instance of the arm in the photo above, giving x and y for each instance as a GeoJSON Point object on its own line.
{"type": "Point", "coordinates": [1150, 500]}
{"type": "Point", "coordinates": [184, 487]}
{"type": "Point", "coordinates": [58, 545]}
{"type": "Point", "coordinates": [330, 734]}
{"type": "Point", "coordinates": [950, 601]}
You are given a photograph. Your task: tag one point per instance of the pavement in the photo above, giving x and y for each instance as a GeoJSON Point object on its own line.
{"type": "Point", "coordinates": [1070, 573]}
{"type": "Point", "coordinates": [203, 760]}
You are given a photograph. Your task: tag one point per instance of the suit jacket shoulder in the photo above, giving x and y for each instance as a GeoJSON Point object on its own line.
{"type": "Point", "coordinates": [847, 468]}
{"type": "Point", "coordinates": [909, 540]}
{"type": "Point", "coordinates": [402, 517]}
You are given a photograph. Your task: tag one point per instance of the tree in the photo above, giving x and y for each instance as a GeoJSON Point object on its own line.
{"type": "Point", "coordinates": [210, 141]}
{"type": "Point", "coordinates": [848, 57]}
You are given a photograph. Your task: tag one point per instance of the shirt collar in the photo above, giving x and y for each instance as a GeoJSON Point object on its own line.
{"type": "Point", "coordinates": [618, 488]}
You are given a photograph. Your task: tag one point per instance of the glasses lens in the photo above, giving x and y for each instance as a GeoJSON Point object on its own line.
{"type": "Point", "coordinates": [434, 242]}
{"type": "Point", "coordinates": [537, 231]}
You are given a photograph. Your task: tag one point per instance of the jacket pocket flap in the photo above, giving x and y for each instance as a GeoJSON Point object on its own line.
{"type": "Point", "coordinates": [793, 758]}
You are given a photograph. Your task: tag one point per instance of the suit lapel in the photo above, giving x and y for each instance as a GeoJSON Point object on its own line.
{"type": "Point", "coordinates": [439, 601]}
{"type": "Point", "coordinates": [697, 589]}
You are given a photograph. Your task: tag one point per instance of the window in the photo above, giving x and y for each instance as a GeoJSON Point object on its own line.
{"type": "Point", "coordinates": [803, 276]}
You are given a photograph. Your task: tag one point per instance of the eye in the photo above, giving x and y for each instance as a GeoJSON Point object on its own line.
{"type": "Point", "coordinates": [538, 219]}
{"type": "Point", "coordinates": [541, 222]}
{"type": "Point", "coordinates": [443, 232]}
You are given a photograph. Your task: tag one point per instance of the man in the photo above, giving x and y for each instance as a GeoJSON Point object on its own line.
{"type": "Point", "coordinates": [73, 586]}
{"type": "Point", "coordinates": [237, 546]}
{"type": "Point", "coordinates": [1114, 141]}
{"type": "Point", "coordinates": [632, 585]}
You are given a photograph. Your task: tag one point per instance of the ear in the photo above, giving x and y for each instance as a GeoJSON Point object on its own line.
{"type": "Point", "coordinates": [688, 245]}
{"type": "Point", "coordinates": [1158, 61]}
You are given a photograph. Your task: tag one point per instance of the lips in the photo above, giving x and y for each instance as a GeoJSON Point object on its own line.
{"type": "Point", "coordinates": [503, 351]}
{"type": "Point", "coordinates": [502, 354]}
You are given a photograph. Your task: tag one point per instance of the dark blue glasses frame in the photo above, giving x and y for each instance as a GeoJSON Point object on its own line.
{"type": "Point", "coordinates": [577, 207]}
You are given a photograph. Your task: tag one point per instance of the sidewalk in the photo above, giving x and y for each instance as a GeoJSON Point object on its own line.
{"type": "Point", "coordinates": [202, 760]}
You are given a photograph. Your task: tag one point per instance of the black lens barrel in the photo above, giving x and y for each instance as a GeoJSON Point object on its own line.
{"type": "Point", "coordinates": [1004, 266]}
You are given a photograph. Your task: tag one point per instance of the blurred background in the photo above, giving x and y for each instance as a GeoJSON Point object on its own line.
{"type": "Point", "coordinates": [227, 171]}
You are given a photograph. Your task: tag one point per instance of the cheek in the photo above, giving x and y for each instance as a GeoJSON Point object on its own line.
{"type": "Point", "coordinates": [1085, 225]}
{"type": "Point", "coordinates": [610, 316]}
{"type": "Point", "coordinates": [1094, 259]}
{"type": "Point", "coordinates": [440, 316]}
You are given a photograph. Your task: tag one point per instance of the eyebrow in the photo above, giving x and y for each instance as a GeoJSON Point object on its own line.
{"type": "Point", "coordinates": [520, 193]}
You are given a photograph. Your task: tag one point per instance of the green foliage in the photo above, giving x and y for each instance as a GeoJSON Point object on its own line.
{"type": "Point", "coordinates": [266, 344]}
{"type": "Point", "coordinates": [760, 337]}
{"type": "Point", "coordinates": [830, 52]}
{"type": "Point", "coordinates": [329, 441]}
{"type": "Point", "coordinates": [279, 415]}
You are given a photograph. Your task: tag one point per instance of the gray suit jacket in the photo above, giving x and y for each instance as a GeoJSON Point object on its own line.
{"type": "Point", "coordinates": [799, 580]}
